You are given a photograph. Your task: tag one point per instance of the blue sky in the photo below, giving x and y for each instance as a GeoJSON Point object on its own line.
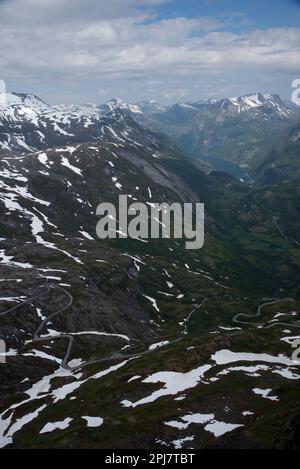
{"type": "Point", "coordinates": [168, 50]}
{"type": "Point", "coordinates": [260, 13]}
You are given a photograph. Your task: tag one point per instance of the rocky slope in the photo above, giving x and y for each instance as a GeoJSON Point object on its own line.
{"type": "Point", "coordinates": [128, 343]}
{"type": "Point", "coordinates": [282, 164]}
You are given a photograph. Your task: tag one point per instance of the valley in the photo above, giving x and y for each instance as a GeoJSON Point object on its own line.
{"type": "Point", "coordinates": [141, 343]}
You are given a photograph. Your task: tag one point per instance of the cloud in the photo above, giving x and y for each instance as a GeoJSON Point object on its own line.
{"type": "Point", "coordinates": [100, 48]}
{"type": "Point", "coordinates": [176, 94]}
{"type": "Point", "coordinates": [62, 11]}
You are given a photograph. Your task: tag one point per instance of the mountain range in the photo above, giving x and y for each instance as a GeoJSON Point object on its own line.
{"type": "Point", "coordinates": [234, 135]}
{"type": "Point", "coordinates": [135, 343]}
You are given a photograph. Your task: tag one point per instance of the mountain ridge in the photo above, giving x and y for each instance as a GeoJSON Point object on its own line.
{"type": "Point", "coordinates": [206, 129]}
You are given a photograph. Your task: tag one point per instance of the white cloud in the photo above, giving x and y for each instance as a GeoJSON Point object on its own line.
{"type": "Point", "coordinates": [113, 45]}
{"type": "Point", "coordinates": [61, 11]}
{"type": "Point", "coordinates": [176, 94]}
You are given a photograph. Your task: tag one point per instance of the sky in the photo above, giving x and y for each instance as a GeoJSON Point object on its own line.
{"type": "Point", "coordinates": [80, 51]}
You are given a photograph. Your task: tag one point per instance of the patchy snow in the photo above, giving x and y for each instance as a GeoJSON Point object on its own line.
{"type": "Point", "coordinates": [50, 427]}
{"type": "Point", "coordinates": [178, 444]}
{"type": "Point", "coordinates": [265, 393]}
{"type": "Point", "coordinates": [61, 393]}
{"type": "Point", "coordinates": [249, 370]}
{"type": "Point", "coordinates": [290, 339]}
{"type": "Point", "coordinates": [153, 301]}
{"type": "Point", "coordinates": [197, 418]}
{"type": "Point", "coordinates": [12, 174]}
{"type": "Point", "coordinates": [134, 378]}
{"type": "Point", "coordinates": [10, 353]}
{"type": "Point", "coordinates": [175, 383]}
{"type": "Point", "coordinates": [6, 436]}
{"type": "Point", "coordinates": [220, 428]}
{"type": "Point", "coordinates": [7, 260]}
{"type": "Point", "coordinates": [159, 345]}
{"type": "Point", "coordinates": [180, 398]}
{"type": "Point", "coordinates": [285, 373]}
{"type": "Point", "coordinates": [10, 298]}
{"type": "Point", "coordinates": [41, 354]}
{"type": "Point", "coordinates": [39, 314]}
{"type": "Point", "coordinates": [43, 159]}
{"type": "Point", "coordinates": [188, 419]}
{"type": "Point", "coordinates": [93, 422]}
{"type": "Point", "coordinates": [223, 357]}
{"type": "Point", "coordinates": [117, 184]}
{"type": "Point", "coordinates": [42, 390]}
{"type": "Point", "coordinates": [65, 162]}
{"type": "Point", "coordinates": [87, 235]}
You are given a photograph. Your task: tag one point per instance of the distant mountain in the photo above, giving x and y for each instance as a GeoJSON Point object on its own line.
{"type": "Point", "coordinates": [232, 135]}
{"type": "Point", "coordinates": [248, 107]}
{"type": "Point", "coordinates": [291, 105]}
{"type": "Point", "coordinates": [152, 107]}
{"type": "Point", "coordinates": [21, 104]}
{"type": "Point", "coordinates": [283, 162]}
{"type": "Point", "coordinates": [118, 104]}
{"type": "Point", "coordinates": [28, 124]}
{"type": "Point", "coordinates": [240, 131]}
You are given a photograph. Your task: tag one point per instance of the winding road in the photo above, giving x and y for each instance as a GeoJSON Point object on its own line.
{"type": "Point", "coordinates": [37, 338]}
{"type": "Point", "coordinates": [258, 314]}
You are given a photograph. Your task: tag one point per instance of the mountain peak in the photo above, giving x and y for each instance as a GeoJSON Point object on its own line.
{"type": "Point", "coordinates": [118, 104]}
{"type": "Point", "coordinates": [23, 101]}
{"type": "Point", "coordinates": [250, 100]}
{"type": "Point", "coordinates": [269, 104]}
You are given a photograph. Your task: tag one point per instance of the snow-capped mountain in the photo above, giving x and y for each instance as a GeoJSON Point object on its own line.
{"type": "Point", "coordinates": [239, 131]}
{"type": "Point", "coordinates": [118, 104]}
{"type": "Point", "coordinates": [269, 106]}
{"type": "Point", "coordinates": [252, 105]}
{"type": "Point", "coordinates": [152, 107]}
{"type": "Point", "coordinates": [28, 124]}
{"type": "Point", "coordinates": [21, 103]}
